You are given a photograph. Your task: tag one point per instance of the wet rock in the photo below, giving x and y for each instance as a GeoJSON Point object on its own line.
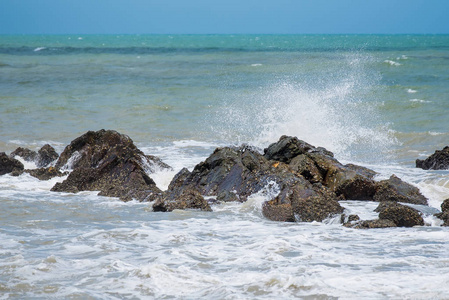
{"type": "Point", "coordinates": [318, 165]}
{"type": "Point", "coordinates": [444, 215]}
{"type": "Point", "coordinates": [351, 219]}
{"type": "Point", "coordinates": [401, 215]}
{"type": "Point", "coordinates": [8, 165]}
{"type": "Point", "coordinates": [45, 156]}
{"type": "Point", "coordinates": [25, 153]}
{"type": "Point", "coordinates": [181, 199]}
{"type": "Point", "coordinates": [370, 224]}
{"type": "Point", "coordinates": [394, 189]}
{"type": "Point", "coordinates": [46, 173]}
{"type": "Point", "coordinates": [109, 162]}
{"type": "Point", "coordinates": [445, 206]}
{"type": "Point", "coordinates": [437, 161]}
{"type": "Point", "coordinates": [304, 201]}
{"type": "Point", "coordinates": [289, 147]}
{"type": "Point", "coordinates": [241, 171]}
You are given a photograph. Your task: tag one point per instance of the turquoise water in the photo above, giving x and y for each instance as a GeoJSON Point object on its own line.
{"type": "Point", "coordinates": [376, 100]}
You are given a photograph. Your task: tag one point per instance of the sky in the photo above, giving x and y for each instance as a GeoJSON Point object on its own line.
{"type": "Point", "coordinates": [224, 16]}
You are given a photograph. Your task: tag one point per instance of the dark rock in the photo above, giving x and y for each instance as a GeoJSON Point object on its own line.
{"type": "Point", "coordinates": [181, 199]}
{"type": "Point", "coordinates": [445, 206]}
{"type": "Point", "coordinates": [305, 166]}
{"type": "Point", "coordinates": [25, 153]}
{"type": "Point", "coordinates": [8, 164]}
{"type": "Point", "coordinates": [46, 155]}
{"type": "Point", "coordinates": [227, 196]}
{"type": "Point", "coordinates": [370, 224]}
{"type": "Point", "coordinates": [46, 173]}
{"type": "Point", "coordinates": [437, 161]}
{"type": "Point", "coordinates": [401, 215]}
{"type": "Point", "coordinates": [306, 202]}
{"type": "Point", "coordinates": [444, 215]}
{"type": "Point", "coordinates": [349, 219]}
{"type": "Point", "coordinates": [108, 162]}
{"type": "Point", "coordinates": [286, 149]}
{"type": "Point", "coordinates": [275, 211]}
{"type": "Point", "coordinates": [394, 189]}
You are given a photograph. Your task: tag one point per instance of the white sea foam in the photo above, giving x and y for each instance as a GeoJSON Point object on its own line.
{"type": "Point", "coordinates": [256, 65]}
{"type": "Point", "coordinates": [392, 63]}
{"type": "Point", "coordinates": [420, 101]}
{"type": "Point", "coordinates": [411, 91]}
{"type": "Point", "coordinates": [39, 49]}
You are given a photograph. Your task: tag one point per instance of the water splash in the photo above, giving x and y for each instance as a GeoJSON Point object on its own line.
{"type": "Point", "coordinates": [335, 110]}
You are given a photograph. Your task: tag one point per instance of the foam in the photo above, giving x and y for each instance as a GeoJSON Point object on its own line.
{"type": "Point", "coordinates": [392, 63]}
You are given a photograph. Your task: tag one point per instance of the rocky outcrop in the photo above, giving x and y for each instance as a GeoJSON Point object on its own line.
{"type": "Point", "coordinates": [44, 157]}
{"type": "Point", "coordinates": [25, 153]}
{"type": "Point", "coordinates": [109, 162]}
{"type": "Point", "coordinates": [318, 165]}
{"type": "Point", "coordinates": [394, 189]}
{"type": "Point", "coordinates": [9, 165]}
{"type": "Point", "coordinates": [401, 215]}
{"type": "Point", "coordinates": [370, 224]}
{"type": "Point", "coordinates": [444, 215]}
{"type": "Point", "coordinates": [437, 161]}
{"type": "Point", "coordinates": [181, 199]}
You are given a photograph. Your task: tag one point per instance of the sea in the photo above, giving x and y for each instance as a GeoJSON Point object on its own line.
{"type": "Point", "coordinates": [379, 101]}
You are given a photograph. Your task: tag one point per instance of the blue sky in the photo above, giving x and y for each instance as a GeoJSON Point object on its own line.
{"type": "Point", "coordinates": [223, 16]}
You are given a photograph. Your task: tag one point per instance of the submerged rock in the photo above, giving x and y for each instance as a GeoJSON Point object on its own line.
{"type": "Point", "coordinates": [44, 157]}
{"type": "Point", "coordinates": [46, 173]}
{"type": "Point", "coordinates": [182, 199]}
{"type": "Point", "coordinates": [437, 161]}
{"type": "Point", "coordinates": [370, 224]}
{"type": "Point", "coordinates": [25, 153]}
{"type": "Point", "coordinates": [109, 162]}
{"type": "Point", "coordinates": [394, 189]}
{"type": "Point", "coordinates": [444, 215]}
{"type": "Point", "coordinates": [9, 165]}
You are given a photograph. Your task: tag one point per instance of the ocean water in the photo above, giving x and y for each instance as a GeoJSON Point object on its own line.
{"type": "Point", "coordinates": [380, 101]}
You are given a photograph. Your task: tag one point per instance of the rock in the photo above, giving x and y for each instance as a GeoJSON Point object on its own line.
{"type": "Point", "coordinates": [318, 165]}
{"type": "Point", "coordinates": [8, 164]}
{"type": "Point", "coordinates": [109, 162]}
{"type": "Point", "coordinates": [46, 155]}
{"type": "Point", "coordinates": [181, 199]}
{"type": "Point", "coordinates": [437, 161]}
{"type": "Point", "coordinates": [304, 201]}
{"type": "Point", "coordinates": [401, 215]}
{"type": "Point", "coordinates": [445, 206]}
{"type": "Point", "coordinates": [394, 189]}
{"type": "Point", "coordinates": [228, 169]}
{"type": "Point", "coordinates": [351, 219]}
{"type": "Point", "coordinates": [46, 173]}
{"type": "Point", "coordinates": [289, 147]}
{"type": "Point", "coordinates": [444, 215]}
{"type": "Point", "coordinates": [370, 224]}
{"type": "Point", "coordinates": [25, 153]}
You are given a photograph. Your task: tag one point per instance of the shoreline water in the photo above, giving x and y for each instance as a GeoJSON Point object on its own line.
{"type": "Point", "coordinates": [381, 108]}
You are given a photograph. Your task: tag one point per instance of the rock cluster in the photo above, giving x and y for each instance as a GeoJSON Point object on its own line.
{"type": "Point", "coordinates": [437, 161]}
{"type": "Point", "coordinates": [310, 181]}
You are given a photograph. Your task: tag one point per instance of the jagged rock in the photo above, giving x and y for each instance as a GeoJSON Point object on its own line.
{"type": "Point", "coordinates": [25, 153]}
{"type": "Point", "coordinates": [109, 162]}
{"type": "Point", "coordinates": [394, 189]}
{"type": "Point", "coordinates": [445, 206]}
{"type": "Point", "coordinates": [349, 219]}
{"type": "Point", "coordinates": [181, 199]}
{"type": "Point", "coordinates": [401, 215]}
{"type": "Point", "coordinates": [437, 161]}
{"type": "Point", "coordinates": [369, 224]}
{"type": "Point", "coordinates": [304, 201]}
{"type": "Point", "coordinates": [8, 164]}
{"type": "Point", "coordinates": [46, 173]}
{"type": "Point", "coordinates": [318, 165]}
{"type": "Point", "coordinates": [286, 149]}
{"type": "Point", "coordinates": [444, 215]}
{"type": "Point", "coordinates": [46, 155]}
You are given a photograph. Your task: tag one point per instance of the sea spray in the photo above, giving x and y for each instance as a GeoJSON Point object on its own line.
{"type": "Point", "coordinates": [333, 110]}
